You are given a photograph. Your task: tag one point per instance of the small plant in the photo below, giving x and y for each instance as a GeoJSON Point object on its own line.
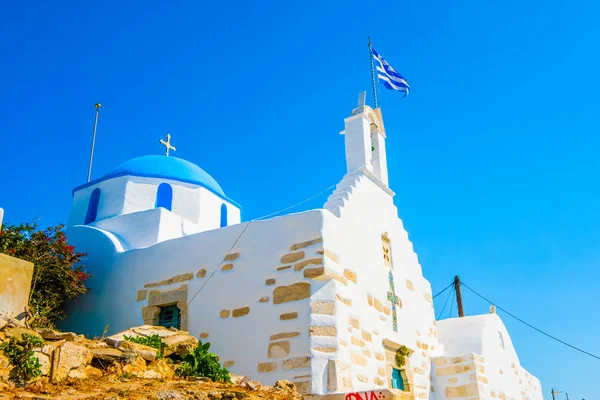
{"type": "Point", "coordinates": [401, 355]}
{"type": "Point", "coordinates": [201, 362]}
{"type": "Point", "coordinates": [21, 355]}
{"type": "Point", "coordinates": [153, 341]}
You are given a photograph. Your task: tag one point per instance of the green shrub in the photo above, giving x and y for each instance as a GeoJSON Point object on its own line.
{"type": "Point", "coordinates": [401, 355]}
{"type": "Point", "coordinates": [153, 341]}
{"type": "Point", "coordinates": [21, 355]}
{"type": "Point", "coordinates": [201, 362]}
{"type": "Point", "coordinates": [58, 276]}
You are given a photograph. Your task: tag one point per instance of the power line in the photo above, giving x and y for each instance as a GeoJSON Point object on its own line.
{"type": "Point", "coordinates": [446, 302]}
{"type": "Point", "coordinates": [453, 294]}
{"type": "Point", "coordinates": [443, 290]}
{"type": "Point", "coordinates": [531, 326]}
{"type": "Point", "coordinates": [259, 218]}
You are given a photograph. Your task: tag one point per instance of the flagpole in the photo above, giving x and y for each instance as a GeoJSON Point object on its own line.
{"type": "Point", "coordinates": [372, 73]}
{"type": "Point", "coordinates": [97, 105]}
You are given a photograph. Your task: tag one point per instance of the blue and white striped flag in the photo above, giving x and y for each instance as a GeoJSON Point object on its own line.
{"type": "Point", "coordinates": [390, 78]}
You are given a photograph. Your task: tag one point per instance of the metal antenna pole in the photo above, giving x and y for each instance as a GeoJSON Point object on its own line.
{"type": "Point", "coordinates": [98, 105]}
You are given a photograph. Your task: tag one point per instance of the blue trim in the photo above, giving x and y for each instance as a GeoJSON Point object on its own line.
{"type": "Point", "coordinates": [92, 210]}
{"type": "Point", "coordinates": [164, 196]}
{"type": "Point", "coordinates": [223, 215]}
{"type": "Point", "coordinates": [156, 176]}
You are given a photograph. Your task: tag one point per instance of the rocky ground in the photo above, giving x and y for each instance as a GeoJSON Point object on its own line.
{"type": "Point", "coordinates": [111, 368]}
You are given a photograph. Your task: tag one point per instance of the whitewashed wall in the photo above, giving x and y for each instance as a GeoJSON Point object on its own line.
{"type": "Point", "coordinates": [474, 359]}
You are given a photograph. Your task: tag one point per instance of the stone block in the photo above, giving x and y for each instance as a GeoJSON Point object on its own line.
{"type": "Point", "coordinates": [357, 359]}
{"type": "Point", "coordinates": [292, 257]}
{"type": "Point", "coordinates": [51, 334]}
{"type": "Point", "coordinates": [409, 285]}
{"type": "Point", "coordinates": [107, 354]}
{"type": "Point", "coordinates": [204, 335]}
{"type": "Point", "coordinates": [353, 322]}
{"type": "Point", "coordinates": [201, 273]}
{"type": "Point", "coordinates": [366, 336]}
{"type": "Point", "coordinates": [356, 342]}
{"type": "Point", "coordinates": [141, 295]}
{"type": "Point", "coordinates": [264, 299]}
{"type": "Point", "coordinates": [284, 335]}
{"type": "Point", "coordinates": [240, 312]}
{"type": "Point", "coordinates": [322, 307]}
{"type": "Point", "coordinates": [323, 331]}
{"type": "Point", "coordinates": [439, 361]}
{"type": "Point", "coordinates": [270, 281]}
{"type": "Point", "coordinates": [44, 361]}
{"type": "Point", "coordinates": [339, 376]}
{"type": "Point", "coordinates": [377, 304]}
{"type": "Point", "coordinates": [314, 273]}
{"type": "Point", "coordinates": [284, 268]}
{"type": "Point", "coordinates": [69, 356]}
{"type": "Point", "coordinates": [305, 244]}
{"type": "Point", "coordinates": [303, 387]}
{"type": "Point", "coordinates": [279, 349]}
{"type": "Point", "coordinates": [232, 257]}
{"type": "Point", "coordinates": [146, 352]}
{"type": "Point", "coordinates": [312, 261]}
{"type": "Point", "coordinates": [295, 292]}
{"type": "Point", "coordinates": [332, 256]}
{"type": "Point", "coordinates": [224, 313]}
{"type": "Point", "coordinates": [267, 367]}
{"type": "Point", "coordinates": [325, 349]}
{"type": "Point", "coordinates": [362, 378]}
{"type": "Point", "coordinates": [227, 267]}
{"type": "Point", "coordinates": [453, 370]}
{"type": "Point", "coordinates": [296, 363]}
{"type": "Point", "coordinates": [462, 391]}
{"type": "Point", "coordinates": [288, 316]}
{"type": "Point", "coordinates": [17, 333]}
{"type": "Point", "coordinates": [351, 276]}
{"type": "Point", "coordinates": [228, 364]}
{"type": "Point", "coordinates": [15, 282]}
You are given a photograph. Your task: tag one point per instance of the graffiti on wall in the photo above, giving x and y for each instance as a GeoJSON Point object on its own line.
{"type": "Point", "coordinates": [369, 395]}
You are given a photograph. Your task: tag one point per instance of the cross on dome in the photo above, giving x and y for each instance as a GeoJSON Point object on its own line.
{"type": "Point", "coordinates": [167, 145]}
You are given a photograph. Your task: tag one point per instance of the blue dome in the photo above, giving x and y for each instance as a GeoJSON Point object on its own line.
{"type": "Point", "coordinates": [164, 167]}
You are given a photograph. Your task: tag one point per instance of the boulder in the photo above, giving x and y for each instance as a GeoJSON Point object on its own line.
{"type": "Point", "coordinates": [17, 333]}
{"type": "Point", "coordinates": [67, 357]}
{"type": "Point", "coordinates": [285, 384]}
{"type": "Point", "coordinates": [44, 361]}
{"type": "Point", "coordinates": [51, 334]}
{"type": "Point", "coordinates": [144, 330]}
{"type": "Point", "coordinates": [137, 367]}
{"type": "Point", "coordinates": [50, 347]}
{"type": "Point", "coordinates": [162, 368]}
{"type": "Point", "coordinates": [180, 344]}
{"type": "Point", "coordinates": [85, 372]}
{"type": "Point", "coordinates": [107, 354]}
{"type": "Point", "coordinates": [146, 352]}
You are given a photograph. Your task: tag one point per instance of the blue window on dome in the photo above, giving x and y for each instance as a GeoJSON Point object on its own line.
{"type": "Point", "coordinates": [223, 215]}
{"type": "Point", "coordinates": [397, 380]}
{"type": "Point", "coordinates": [164, 196]}
{"type": "Point", "coordinates": [92, 211]}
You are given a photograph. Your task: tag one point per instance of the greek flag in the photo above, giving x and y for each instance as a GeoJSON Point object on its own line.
{"type": "Point", "coordinates": [390, 78]}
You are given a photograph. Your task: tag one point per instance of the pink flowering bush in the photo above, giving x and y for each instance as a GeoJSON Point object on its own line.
{"type": "Point", "coordinates": [58, 276]}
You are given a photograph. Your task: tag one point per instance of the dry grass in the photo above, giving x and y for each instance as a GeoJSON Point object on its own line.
{"type": "Point", "coordinates": [114, 388]}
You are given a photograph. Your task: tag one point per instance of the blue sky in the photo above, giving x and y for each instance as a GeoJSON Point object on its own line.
{"type": "Point", "coordinates": [493, 156]}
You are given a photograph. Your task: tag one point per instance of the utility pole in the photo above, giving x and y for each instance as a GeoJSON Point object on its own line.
{"type": "Point", "coordinates": [461, 311]}
{"type": "Point", "coordinates": [555, 392]}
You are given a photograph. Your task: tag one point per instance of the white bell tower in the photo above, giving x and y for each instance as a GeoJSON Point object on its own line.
{"type": "Point", "coordinates": [365, 140]}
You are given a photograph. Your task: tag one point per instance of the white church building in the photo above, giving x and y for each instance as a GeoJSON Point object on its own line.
{"type": "Point", "coordinates": [324, 298]}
